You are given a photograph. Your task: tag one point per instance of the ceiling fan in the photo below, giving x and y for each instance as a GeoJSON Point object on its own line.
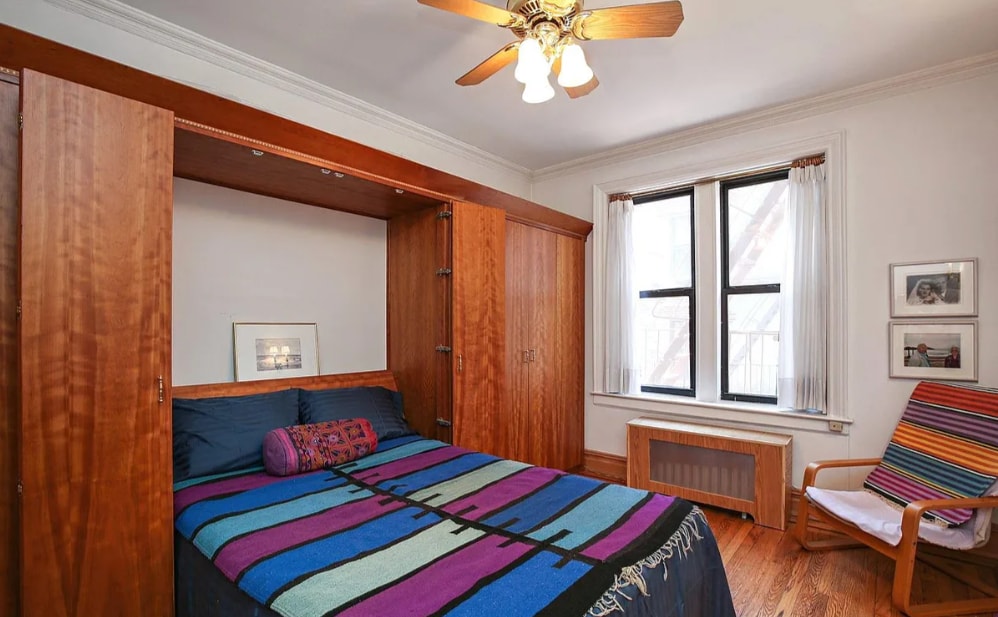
{"type": "Point", "coordinates": [548, 30]}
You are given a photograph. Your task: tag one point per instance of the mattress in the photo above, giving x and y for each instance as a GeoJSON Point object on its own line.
{"type": "Point", "coordinates": [424, 528]}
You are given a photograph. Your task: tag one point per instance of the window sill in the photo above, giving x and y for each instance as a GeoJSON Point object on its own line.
{"type": "Point", "coordinates": [755, 414]}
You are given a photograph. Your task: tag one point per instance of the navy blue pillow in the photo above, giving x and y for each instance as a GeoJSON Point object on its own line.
{"type": "Point", "coordinates": [380, 406]}
{"type": "Point", "coordinates": [213, 435]}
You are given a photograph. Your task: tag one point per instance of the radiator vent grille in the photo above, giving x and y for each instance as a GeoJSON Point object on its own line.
{"type": "Point", "coordinates": [731, 474]}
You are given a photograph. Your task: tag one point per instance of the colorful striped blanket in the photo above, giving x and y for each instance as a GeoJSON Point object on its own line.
{"type": "Point", "coordinates": [438, 529]}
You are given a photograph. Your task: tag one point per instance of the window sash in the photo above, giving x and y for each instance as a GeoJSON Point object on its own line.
{"type": "Point", "coordinates": [727, 289]}
{"type": "Point", "coordinates": [676, 292]}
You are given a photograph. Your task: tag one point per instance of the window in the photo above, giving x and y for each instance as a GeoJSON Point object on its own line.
{"type": "Point", "coordinates": [736, 287]}
{"type": "Point", "coordinates": [664, 276]}
{"type": "Point", "coordinates": [750, 260]}
{"type": "Point", "coordinates": [753, 254]}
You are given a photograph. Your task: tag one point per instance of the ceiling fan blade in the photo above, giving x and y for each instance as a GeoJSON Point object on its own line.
{"type": "Point", "coordinates": [630, 22]}
{"type": "Point", "coordinates": [584, 89]}
{"type": "Point", "coordinates": [492, 65]}
{"type": "Point", "coordinates": [475, 10]}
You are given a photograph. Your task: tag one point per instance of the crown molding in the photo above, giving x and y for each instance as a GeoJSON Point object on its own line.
{"type": "Point", "coordinates": [959, 70]}
{"type": "Point", "coordinates": [177, 38]}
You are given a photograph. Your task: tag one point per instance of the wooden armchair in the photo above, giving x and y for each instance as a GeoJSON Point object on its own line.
{"type": "Point", "coordinates": [934, 486]}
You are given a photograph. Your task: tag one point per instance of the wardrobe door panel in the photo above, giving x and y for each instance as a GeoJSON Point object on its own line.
{"type": "Point", "coordinates": [543, 390]}
{"type": "Point", "coordinates": [418, 318]}
{"type": "Point", "coordinates": [95, 458]}
{"type": "Point", "coordinates": [569, 347]}
{"type": "Point", "coordinates": [519, 286]}
{"type": "Point", "coordinates": [9, 94]}
{"type": "Point", "coordinates": [478, 254]}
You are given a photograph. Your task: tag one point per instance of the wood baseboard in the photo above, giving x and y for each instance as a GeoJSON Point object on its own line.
{"type": "Point", "coordinates": [606, 466]}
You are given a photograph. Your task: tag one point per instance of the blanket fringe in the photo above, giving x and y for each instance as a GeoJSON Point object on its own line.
{"type": "Point", "coordinates": [633, 576]}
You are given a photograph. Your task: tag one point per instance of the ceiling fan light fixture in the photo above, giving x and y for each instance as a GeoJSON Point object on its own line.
{"type": "Point", "coordinates": [531, 64]}
{"type": "Point", "coordinates": [575, 71]}
{"type": "Point", "coordinates": [538, 91]}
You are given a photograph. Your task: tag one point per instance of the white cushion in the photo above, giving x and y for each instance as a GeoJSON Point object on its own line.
{"type": "Point", "coordinates": [873, 515]}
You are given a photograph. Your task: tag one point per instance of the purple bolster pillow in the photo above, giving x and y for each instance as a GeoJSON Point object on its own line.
{"type": "Point", "coordinates": [308, 447]}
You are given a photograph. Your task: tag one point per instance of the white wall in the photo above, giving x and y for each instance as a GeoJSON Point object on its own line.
{"type": "Point", "coordinates": [919, 172]}
{"type": "Point", "coordinates": [244, 257]}
{"type": "Point", "coordinates": [238, 83]}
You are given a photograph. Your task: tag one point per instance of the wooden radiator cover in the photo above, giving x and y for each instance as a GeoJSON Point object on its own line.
{"type": "Point", "coordinates": [742, 470]}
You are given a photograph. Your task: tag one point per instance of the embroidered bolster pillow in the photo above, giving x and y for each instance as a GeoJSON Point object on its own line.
{"type": "Point", "coordinates": [308, 447]}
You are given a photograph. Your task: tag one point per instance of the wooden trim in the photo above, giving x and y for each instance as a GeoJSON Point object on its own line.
{"type": "Point", "coordinates": [384, 379]}
{"type": "Point", "coordinates": [20, 50]}
{"type": "Point", "coordinates": [604, 465]}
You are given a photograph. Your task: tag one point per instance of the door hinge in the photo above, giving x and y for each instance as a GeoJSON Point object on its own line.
{"type": "Point", "coordinates": [443, 271]}
{"type": "Point", "coordinates": [18, 310]}
{"type": "Point", "coordinates": [444, 423]}
{"type": "Point", "coordinates": [161, 393]}
{"type": "Point", "coordinates": [444, 214]}
{"type": "Point", "coordinates": [20, 488]}
{"type": "Point", "coordinates": [443, 348]}
{"type": "Point", "coordinates": [20, 122]}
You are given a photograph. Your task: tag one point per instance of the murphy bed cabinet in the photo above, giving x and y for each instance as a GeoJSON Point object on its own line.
{"type": "Point", "coordinates": [445, 321]}
{"type": "Point", "coordinates": [85, 309]}
{"type": "Point", "coordinates": [96, 523]}
{"type": "Point", "coordinates": [9, 355]}
{"type": "Point", "coordinates": [544, 341]}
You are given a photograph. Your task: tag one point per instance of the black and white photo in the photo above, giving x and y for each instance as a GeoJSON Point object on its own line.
{"type": "Point", "coordinates": [934, 289]}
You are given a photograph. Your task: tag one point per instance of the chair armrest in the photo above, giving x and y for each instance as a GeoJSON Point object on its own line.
{"type": "Point", "coordinates": [813, 468]}
{"type": "Point", "coordinates": [912, 514]}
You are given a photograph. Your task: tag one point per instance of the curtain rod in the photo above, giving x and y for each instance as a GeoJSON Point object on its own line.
{"type": "Point", "coordinates": [816, 159]}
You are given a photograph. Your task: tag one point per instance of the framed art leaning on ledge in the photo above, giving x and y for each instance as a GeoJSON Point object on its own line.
{"type": "Point", "coordinates": [946, 350]}
{"type": "Point", "coordinates": [274, 350]}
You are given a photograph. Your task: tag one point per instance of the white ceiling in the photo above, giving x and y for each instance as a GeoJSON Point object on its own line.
{"type": "Point", "coordinates": [728, 57]}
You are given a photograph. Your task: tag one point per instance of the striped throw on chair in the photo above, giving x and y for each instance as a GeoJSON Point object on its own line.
{"type": "Point", "coordinates": [946, 445]}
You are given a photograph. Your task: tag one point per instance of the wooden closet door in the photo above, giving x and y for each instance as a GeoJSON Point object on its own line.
{"type": "Point", "coordinates": [568, 382]}
{"type": "Point", "coordinates": [519, 295]}
{"type": "Point", "coordinates": [419, 318]}
{"type": "Point", "coordinates": [95, 458]}
{"type": "Point", "coordinates": [538, 423]}
{"type": "Point", "coordinates": [478, 255]}
{"type": "Point", "coordinates": [9, 95]}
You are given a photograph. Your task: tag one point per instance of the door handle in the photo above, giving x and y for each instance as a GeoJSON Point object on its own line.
{"type": "Point", "coordinates": [533, 355]}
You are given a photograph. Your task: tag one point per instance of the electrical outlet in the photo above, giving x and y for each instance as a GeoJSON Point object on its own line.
{"type": "Point", "coordinates": [835, 427]}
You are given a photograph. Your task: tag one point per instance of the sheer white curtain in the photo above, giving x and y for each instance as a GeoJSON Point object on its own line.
{"type": "Point", "coordinates": [802, 380]}
{"type": "Point", "coordinates": [620, 299]}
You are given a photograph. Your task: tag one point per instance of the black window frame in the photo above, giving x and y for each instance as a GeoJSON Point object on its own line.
{"type": "Point", "coordinates": [677, 292]}
{"type": "Point", "coordinates": [729, 290]}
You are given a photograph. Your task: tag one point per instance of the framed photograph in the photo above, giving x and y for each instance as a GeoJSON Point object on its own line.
{"type": "Point", "coordinates": [945, 351]}
{"type": "Point", "coordinates": [934, 289]}
{"type": "Point", "coordinates": [275, 350]}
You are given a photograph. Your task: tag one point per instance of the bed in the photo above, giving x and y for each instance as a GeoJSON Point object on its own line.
{"type": "Point", "coordinates": [417, 527]}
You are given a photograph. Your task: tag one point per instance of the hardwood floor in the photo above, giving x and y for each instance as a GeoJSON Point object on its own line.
{"type": "Point", "coordinates": [770, 575]}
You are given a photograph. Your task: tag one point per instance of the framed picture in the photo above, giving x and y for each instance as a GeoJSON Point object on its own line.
{"type": "Point", "coordinates": [934, 289]}
{"type": "Point", "coordinates": [275, 350]}
{"type": "Point", "coordinates": [943, 350]}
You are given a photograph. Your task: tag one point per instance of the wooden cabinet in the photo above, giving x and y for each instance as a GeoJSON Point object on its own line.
{"type": "Point", "coordinates": [545, 346]}
{"type": "Point", "coordinates": [9, 101]}
{"type": "Point", "coordinates": [446, 328]}
{"type": "Point", "coordinates": [95, 284]}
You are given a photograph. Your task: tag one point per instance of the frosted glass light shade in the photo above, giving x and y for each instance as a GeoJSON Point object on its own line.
{"type": "Point", "coordinates": [574, 70]}
{"type": "Point", "coordinates": [531, 64]}
{"type": "Point", "coordinates": [538, 91]}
